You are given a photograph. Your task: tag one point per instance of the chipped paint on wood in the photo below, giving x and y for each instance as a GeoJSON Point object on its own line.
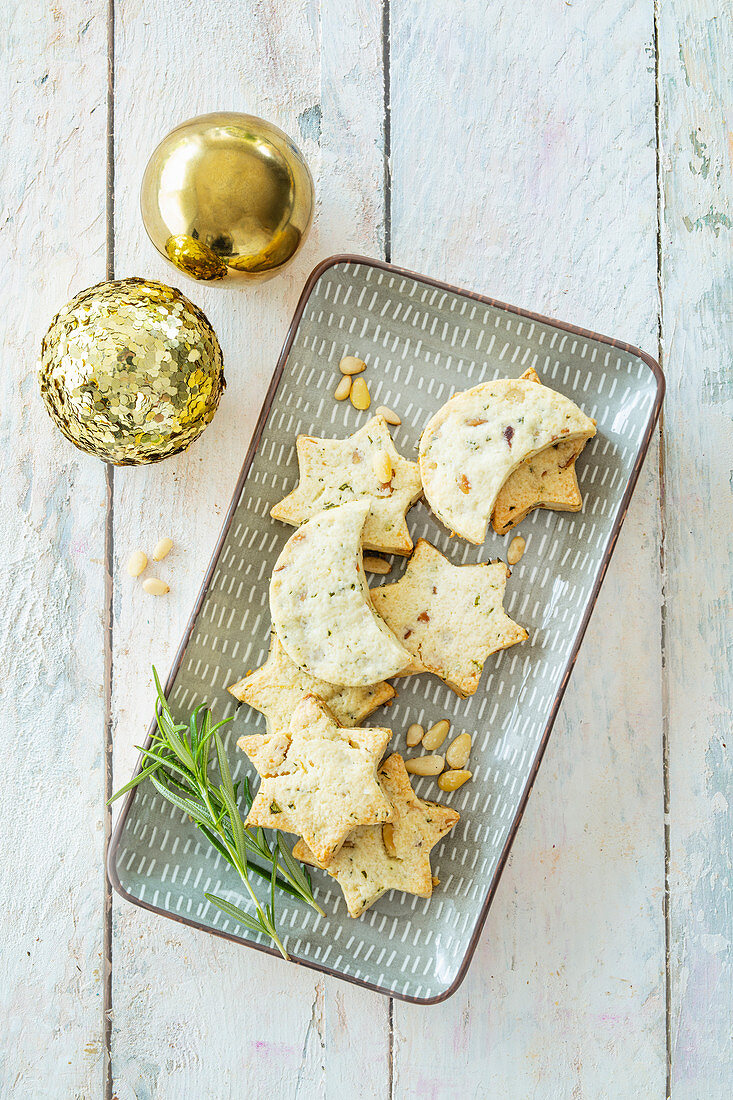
{"type": "Point", "coordinates": [696, 157]}
{"type": "Point", "coordinates": [53, 71]}
{"type": "Point", "coordinates": [545, 152]}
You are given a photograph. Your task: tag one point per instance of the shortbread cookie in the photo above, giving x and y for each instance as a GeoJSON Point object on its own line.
{"type": "Point", "coordinates": [377, 858]}
{"type": "Point", "coordinates": [277, 687]}
{"type": "Point", "coordinates": [320, 604]}
{"type": "Point", "coordinates": [450, 617]}
{"type": "Point", "coordinates": [547, 480]}
{"type": "Point", "coordinates": [322, 778]}
{"type": "Point", "coordinates": [334, 471]}
{"type": "Point", "coordinates": [478, 438]}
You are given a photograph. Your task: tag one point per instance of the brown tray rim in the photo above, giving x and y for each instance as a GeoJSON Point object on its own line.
{"type": "Point", "coordinates": [382, 265]}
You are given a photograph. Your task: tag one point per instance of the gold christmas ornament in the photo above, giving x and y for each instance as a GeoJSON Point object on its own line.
{"type": "Point", "coordinates": [131, 371]}
{"type": "Point", "coordinates": [227, 197]}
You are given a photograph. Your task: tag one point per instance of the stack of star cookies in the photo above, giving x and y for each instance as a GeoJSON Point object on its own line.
{"type": "Point", "coordinates": [490, 454]}
{"type": "Point", "coordinates": [360, 821]}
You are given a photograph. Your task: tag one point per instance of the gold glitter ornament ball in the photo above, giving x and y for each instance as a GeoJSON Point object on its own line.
{"type": "Point", "coordinates": [227, 197]}
{"type": "Point", "coordinates": [131, 371]}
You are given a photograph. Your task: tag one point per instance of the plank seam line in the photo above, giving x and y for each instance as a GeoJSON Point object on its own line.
{"type": "Point", "coordinates": [390, 1051]}
{"type": "Point", "coordinates": [662, 568]}
{"type": "Point", "coordinates": [108, 591]}
{"type": "Point", "coordinates": [387, 82]}
{"type": "Point", "coordinates": [386, 76]}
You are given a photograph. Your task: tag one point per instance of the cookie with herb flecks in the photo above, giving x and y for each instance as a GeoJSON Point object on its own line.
{"type": "Point", "coordinates": [479, 438]}
{"type": "Point", "coordinates": [546, 480]}
{"type": "Point", "coordinates": [320, 604]}
{"type": "Point", "coordinates": [367, 465]}
{"type": "Point", "coordinates": [450, 617]}
{"type": "Point", "coordinates": [320, 777]}
{"type": "Point", "coordinates": [278, 686]}
{"type": "Point", "coordinates": [395, 856]}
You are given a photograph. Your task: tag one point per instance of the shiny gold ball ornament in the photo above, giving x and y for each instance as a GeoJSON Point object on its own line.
{"type": "Point", "coordinates": [131, 371]}
{"type": "Point", "coordinates": [227, 197]}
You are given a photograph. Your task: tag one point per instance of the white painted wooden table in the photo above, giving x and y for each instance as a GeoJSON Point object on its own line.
{"type": "Point", "coordinates": [571, 157]}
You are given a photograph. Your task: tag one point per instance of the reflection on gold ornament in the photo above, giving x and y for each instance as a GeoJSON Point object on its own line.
{"type": "Point", "coordinates": [196, 259]}
{"type": "Point", "coordinates": [131, 371]}
{"type": "Point", "coordinates": [227, 197]}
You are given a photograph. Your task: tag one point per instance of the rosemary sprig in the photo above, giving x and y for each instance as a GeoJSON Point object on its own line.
{"type": "Point", "coordinates": [177, 764]}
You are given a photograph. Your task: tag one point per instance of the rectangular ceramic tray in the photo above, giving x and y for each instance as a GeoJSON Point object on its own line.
{"type": "Point", "coordinates": [423, 341]}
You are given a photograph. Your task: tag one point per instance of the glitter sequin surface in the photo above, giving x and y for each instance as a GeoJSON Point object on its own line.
{"type": "Point", "coordinates": [131, 371]}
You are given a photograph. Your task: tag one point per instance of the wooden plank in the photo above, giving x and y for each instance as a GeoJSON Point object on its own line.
{"type": "Point", "coordinates": [237, 1020]}
{"type": "Point", "coordinates": [53, 76]}
{"type": "Point", "coordinates": [697, 305]}
{"type": "Point", "coordinates": [523, 165]}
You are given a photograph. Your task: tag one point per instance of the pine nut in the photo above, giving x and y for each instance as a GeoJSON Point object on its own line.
{"type": "Point", "coordinates": [436, 735]}
{"type": "Point", "coordinates": [452, 780]}
{"type": "Point", "coordinates": [360, 398]}
{"type": "Point", "coordinates": [376, 565]}
{"type": "Point", "coordinates": [389, 416]}
{"type": "Point", "coordinates": [343, 389]}
{"type": "Point", "coordinates": [459, 751]}
{"type": "Point", "coordinates": [382, 465]}
{"type": "Point", "coordinates": [516, 549]}
{"type": "Point", "coordinates": [136, 563]}
{"type": "Point", "coordinates": [351, 365]}
{"type": "Point", "coordinates": [388, 839]}
{"type": "Point", "coordinates": [414, 735]}
{"type": "Point", "coordinates": [163, 548]}
{"type": "Point", "coordinates": [425, 765]}
{"type": "Point", "coordinates": [155, 587]}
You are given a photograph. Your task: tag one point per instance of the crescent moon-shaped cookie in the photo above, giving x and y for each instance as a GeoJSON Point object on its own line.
{"type": "Point", "coordinates": [320, 603]}
{"type": "Point", "coordinates": [479, 437]}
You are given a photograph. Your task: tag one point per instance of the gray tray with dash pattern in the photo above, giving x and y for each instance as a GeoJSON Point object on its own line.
{"type": "Point", "coordinates": [422, 340]}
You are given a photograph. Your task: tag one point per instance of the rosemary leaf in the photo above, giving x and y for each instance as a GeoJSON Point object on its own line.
{"type": "Point", "coordinates": [224, 770]}
{"type": "Point", "coordinates": [236, 825]}
{"type": "Point", "coordinates": [193, 809]}
{"type": "Point", "coordinates": [234, 911]}
{"type": "Point", "coordinates": [297, 875]}
{"type": "Point", "coordinates": [134, 782]}
{"type": "Point", "coordinates": [168, 763]}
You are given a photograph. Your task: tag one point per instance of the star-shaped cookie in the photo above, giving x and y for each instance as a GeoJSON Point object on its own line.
{"type": "Point", "coordinates": [396, 856]}
{"type": "Point", "coordinates": [277, 687]}
{"type": "Point", "coordinates": [449, 617]}
{"type": "Point", "coordinates": [333, 471]}
{"type": "Point", "coordinates": [547, 480]}
{"type": "Point", "coordinates": [320, 777]}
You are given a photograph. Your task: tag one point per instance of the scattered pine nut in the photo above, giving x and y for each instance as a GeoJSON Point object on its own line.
{"type": "Point", "coordinates": [414, 735]}
{"type": "Point", "coordinates": [388, 839]}
{"type": "Point", "coordinates": [163, 548]}
{"type": "Point", "coordinates": [376, 565]}
{"type": "Point", "coordinates": [516, 549]}
{"type": "Point", "coordinates": [452, 780]}
{"type": "Point", "coordinates": [343, 389]}
{"type": "Point", "coordinates": [459, 751]}
{"type": "Point", "coordinates": [136, 563]}
{"type": "Point", "coordinates": [382, 465]}
{"type": "Point", "coordinates": [425, 765]}
{"type": "Point", "coordinates": [360, 398]}
{"type": "Point", "coordinates": [436, 735]}
{"type": "Point", "coordinates": [351, 365]}
{"type": "Point", "coordinates": [389, 416]}
{"type": "Point", "coordinates": [154, 586]}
